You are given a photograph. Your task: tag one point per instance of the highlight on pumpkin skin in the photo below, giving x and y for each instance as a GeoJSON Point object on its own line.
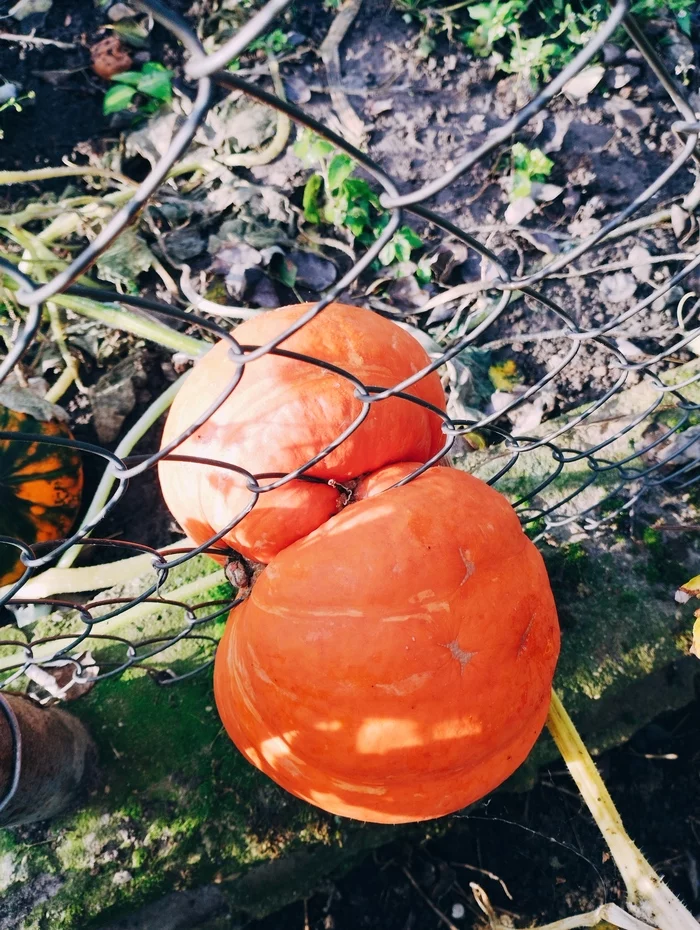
{"type": "Point", "coordinates": [283, 412]}
{"type": "Point", "coordinates": [396, 664]}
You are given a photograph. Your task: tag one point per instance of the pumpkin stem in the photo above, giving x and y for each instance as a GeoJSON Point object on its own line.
{"type": "Point", "coordinates": [647, 896]}
{"type": "Point", "coordinates": [242, 573]}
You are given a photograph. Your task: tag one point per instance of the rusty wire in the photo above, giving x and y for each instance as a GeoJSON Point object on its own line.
{"type": "Point", "coordinates": [625, 479]}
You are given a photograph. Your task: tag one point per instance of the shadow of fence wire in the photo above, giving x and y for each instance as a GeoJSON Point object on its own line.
{"type": "Point", "coordinates": [581, 469]}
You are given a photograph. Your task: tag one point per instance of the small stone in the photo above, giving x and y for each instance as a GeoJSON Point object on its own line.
{"type": "Point", "coordinates": [612, 54]}
{"type": "Point", "coordinates": [122, 878]}
{"type": "Point", "coordinates": [621, 76]}
{"type": "Point", "coordinates": [8, 91]}
{"type": "Point", "coordinates": [519, 210]}
{"type": "Point", "coordinates": [119, 11]}
{"type": "Point", "coordinates": [584, 83]}
{"type": "Point", "coordinates": [634, 119]}
{"type": "Point", "coordinates": [617, 288]}
{"type": "Point", "coordinates": [457, 911]}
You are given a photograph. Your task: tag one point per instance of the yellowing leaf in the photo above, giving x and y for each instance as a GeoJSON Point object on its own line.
{"type": "Point", "coordinates": [695, 648]}
{"type": "Point", "coordinates": [505, 375]}
{"type": "Point", "coordinates": [689, 589]}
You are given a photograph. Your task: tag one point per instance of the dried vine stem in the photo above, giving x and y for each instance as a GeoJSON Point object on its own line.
{"type": "Point", "coordinates": [648, 898]}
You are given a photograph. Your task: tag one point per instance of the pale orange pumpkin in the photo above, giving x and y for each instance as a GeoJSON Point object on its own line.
{"type": "Point", "coordinates": [285, 411]}
{"type": "Point", "coordinates": [395, 665]}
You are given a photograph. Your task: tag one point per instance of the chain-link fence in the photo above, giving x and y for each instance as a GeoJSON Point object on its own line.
{"type": "Point", "coordinates": [624, 435]}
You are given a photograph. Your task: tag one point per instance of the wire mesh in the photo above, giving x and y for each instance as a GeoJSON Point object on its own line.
{"type": "Point", "coordinates": [580, 469]}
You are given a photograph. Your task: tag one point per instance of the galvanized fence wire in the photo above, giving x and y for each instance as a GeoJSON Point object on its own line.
{"type": "Point", "coordinates": [625, 478]}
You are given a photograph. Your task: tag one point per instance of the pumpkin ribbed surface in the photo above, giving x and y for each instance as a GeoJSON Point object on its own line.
{"type": "Point", "coordinates": [40, 488]}
{"type": "Point", "coordinates": [396, 664]}
{"type": "Point", "coordinates": [285, 411]}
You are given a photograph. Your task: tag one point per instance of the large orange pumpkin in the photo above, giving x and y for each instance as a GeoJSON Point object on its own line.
{"type": "Point", "coordinates": [396, 664]}
{"type": "Point", "coordinates": [285, 411]}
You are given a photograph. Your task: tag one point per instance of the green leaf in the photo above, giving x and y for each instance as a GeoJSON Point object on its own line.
{"type": "Point", "coordinates": [411, 237]}
{"type": "Point", "coordinates": [156, 83]}
{"type": "Point", "coordinates": [388, 253]}
{"type": "Point", "coordinates": [117, 98]}
{"type": "Point", "coordinates": [521, 186]}
{"type": "Point", "coordinates": [340, 168]}
{"type": "Point", "coordinates": [424, 273]}
{"type": "Point", "coordinates": [287, 272]}
{"type": "Point", "coordinates": [540, 165]}
{"type": "Point", "coordinates": [154, 67]}
{"type": "Point", "coordinates": [402, 248]}
{"type": "Point", "coordinates": [132, 33]}
{"type": "Point", "coordinates": [520, 155]}
{"type": "Point", "coordinates": [358, 189]}
{"type": "Point", "coordinates": [127, 77]}
{"type": "Point", "coordinates": [310, 203]}
{"type": "Point", "coordinates": [684, 22]}
{"type": "Point", "coordinates": [310, 148]}
{"type": "Point", "coordinates": [320, 148]}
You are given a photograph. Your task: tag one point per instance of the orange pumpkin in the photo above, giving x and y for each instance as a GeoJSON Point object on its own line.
{"type": "Point", "coordinates": [396, 664]}
{"type": "Point", "coordinates": [285, 411]}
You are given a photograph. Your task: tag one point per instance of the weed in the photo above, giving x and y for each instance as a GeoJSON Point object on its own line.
{"type": "Point", "coordinates": [144, 91]}
{"type": "Point", "coordinates": [276, 42]}
{"type": "Point", "coordinates": [15, 103]}
{"type": "Point", "coordinates": [529, 166]}
{"type": "Point", "coordinates": [531, 38]}
{"type": "Point", "coordinates": [332, 195]}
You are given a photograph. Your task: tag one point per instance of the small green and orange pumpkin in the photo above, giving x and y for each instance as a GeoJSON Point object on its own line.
{"type": "Point", "coordinates": [40, 483]}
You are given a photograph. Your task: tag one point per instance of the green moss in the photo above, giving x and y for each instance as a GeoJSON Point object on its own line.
{"type": "Point", "coordinates": [179, 807]}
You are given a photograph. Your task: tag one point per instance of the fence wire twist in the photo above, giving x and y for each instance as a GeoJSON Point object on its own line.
{"type": "Point", "coordinates": [623, 477]}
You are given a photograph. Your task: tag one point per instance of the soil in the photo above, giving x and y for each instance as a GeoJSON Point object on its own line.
{"type": "Point", "coordinates": [538, 856]}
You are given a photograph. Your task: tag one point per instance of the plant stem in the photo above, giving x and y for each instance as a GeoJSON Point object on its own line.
{"type": "Point", "coordinates": [610, 913]}
{"type": "Point", "coordinates": [65, 171]}
{"type": "Point", "coordinates": [137, 432]}
{"type": "Point", "coordinates": [139, 612]}
{"type": "Point", "coordinates": [647, 896]}
{"type": "Point", "coordinates": [58, 580]}
{"type": "Point", "coordinates": [61, 384]}
{"type": "Point", "coordinates": [44, 211]}
{"type": "Point", "coordinates": [116, 318]}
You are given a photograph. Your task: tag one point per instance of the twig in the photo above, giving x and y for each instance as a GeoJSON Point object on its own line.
{"type": "Point", "coordinates": [624, 265]}
{"type": "Point", "coordinates": [330, 53]}
{"type": "Point", "coordinates": [492, 875]}
{"type": "Point", "coordinates": [34, 40]}
{"type": "Point", "coordinates": [208, 306]}
{"type": "Point", "coordinates": [436, 910]}
{"type": "Point", "coordinates": [147, 419]}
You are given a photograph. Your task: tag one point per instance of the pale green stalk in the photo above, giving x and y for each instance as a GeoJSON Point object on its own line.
{"type": "Point", "coordinates": [648, 898]}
